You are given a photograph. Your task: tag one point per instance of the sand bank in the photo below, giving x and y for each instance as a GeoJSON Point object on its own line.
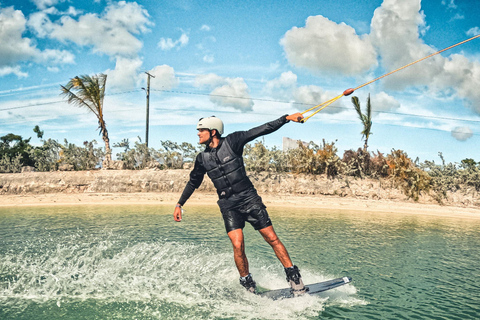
{"type": "Point", "coordinates": [202, 198]}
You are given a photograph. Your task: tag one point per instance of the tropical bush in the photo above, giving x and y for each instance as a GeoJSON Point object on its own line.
{"type": "Point", "coordinates": [402, 170]}
{"type": "Point", "coordinates": [450, 177]}
{"type": "Point", "coordinates": [315, 159]}
{"type": "Point", "coordinates": [412, 177]}
{"type": "Point", "coordinates": [171, 156]}
{"type": "Point", "coordinates": [259, 158]}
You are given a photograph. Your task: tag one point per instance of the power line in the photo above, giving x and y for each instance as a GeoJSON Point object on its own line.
{"type": "Point", "coordinates": [254, 99]}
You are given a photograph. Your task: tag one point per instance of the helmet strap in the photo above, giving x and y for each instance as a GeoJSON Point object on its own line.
{"type": "Point", "coordinates": [209, 141]}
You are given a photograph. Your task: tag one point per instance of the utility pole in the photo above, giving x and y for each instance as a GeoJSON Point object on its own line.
{"type": "Point", "coordinates": [148, 106]}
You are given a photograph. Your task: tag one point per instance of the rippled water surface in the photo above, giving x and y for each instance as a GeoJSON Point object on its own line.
{"type": "Point", "coordinates": [134, 262]}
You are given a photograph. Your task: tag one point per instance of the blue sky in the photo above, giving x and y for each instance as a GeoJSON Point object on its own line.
{"type": "Point", "coordinates": [247, 62]}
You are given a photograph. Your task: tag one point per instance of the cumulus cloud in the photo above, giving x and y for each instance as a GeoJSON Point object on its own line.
{"type": "Point", "coordinates": [169, 44]}
{"type": "Point", "coordinates": [125, 76]}
{"type": "Point", "coordinates": [384, 102]}
{"type": "Point", "coordinates": [462, 133]}
{"type": "Point", "coordinates": [56, 56]}
{"type": "Point", "coordinates": [14, 47]}
{"type": "Point", "coordinates": [304, 97]}
{"type": "Point", "coordinates": [44, 4]}
{"type": "Point", "coordinates": [13, 70]}
{"type": "Point", "coordinates": [282, 87]}
{"type": "Point", "coordinates": [112, 33]}
{"type": "Point", "coordinates": [227, 92]}
{"type": "Point", "coordinates": [395, 31]}
{"type": "Point", "coordinates": [309, 96]}
{"type": "Point", "coordinates": [325, 46]}
{"type": "Point", "coordinates": [234, 94]}
{"type": "Point", "coordinates": [165, 78]}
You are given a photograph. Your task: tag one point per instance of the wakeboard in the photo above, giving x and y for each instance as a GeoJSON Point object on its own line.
{"type": "Point", "coordinates": [313, 288]}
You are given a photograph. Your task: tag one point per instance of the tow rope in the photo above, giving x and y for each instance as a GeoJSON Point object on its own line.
{"type": "Point", "coordinates": [347, 92]}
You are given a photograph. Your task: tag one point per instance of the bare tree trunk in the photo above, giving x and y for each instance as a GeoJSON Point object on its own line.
{"type": "Point", "coordinates": [107, 163]}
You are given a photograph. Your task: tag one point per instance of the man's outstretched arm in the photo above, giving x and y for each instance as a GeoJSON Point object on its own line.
{"type": "Point", "coordinates": [240, 138]}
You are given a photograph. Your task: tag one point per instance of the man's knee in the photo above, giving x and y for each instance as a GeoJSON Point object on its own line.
{"type": "Point", "coordinates": [236, 237]}
{"type": "Point", "coordinates": [273, 241]}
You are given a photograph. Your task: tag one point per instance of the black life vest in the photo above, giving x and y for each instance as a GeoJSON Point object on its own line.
{"type": "Point", "coordinates": [226, 170]}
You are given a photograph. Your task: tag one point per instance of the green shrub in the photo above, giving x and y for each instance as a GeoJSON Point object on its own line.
{"type": "Point", "coordinates": [47, 156]}
{"type": "Point", "coordinates": [11, 165]}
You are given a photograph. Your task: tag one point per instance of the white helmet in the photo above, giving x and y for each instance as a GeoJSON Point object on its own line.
{"type": "Point", "coordinates": [211, 123]}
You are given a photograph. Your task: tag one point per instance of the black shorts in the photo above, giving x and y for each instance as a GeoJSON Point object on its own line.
{"type": "Point", "coordinates": [256, 215]}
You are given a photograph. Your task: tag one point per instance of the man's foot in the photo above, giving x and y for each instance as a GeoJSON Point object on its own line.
{"type": "Point", "coordinates": [295, 280]}
{"type": "Point", "coordinates": [248, 283]}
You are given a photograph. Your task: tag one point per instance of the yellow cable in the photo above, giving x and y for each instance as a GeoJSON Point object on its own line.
{"type": "Point", "coordinates": [350, 91]}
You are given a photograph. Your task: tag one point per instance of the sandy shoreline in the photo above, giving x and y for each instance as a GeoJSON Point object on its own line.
{"type": "Point", "coordinates": [200, 198]}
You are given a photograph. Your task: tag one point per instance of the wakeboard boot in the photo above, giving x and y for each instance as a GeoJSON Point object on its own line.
{"type": "Point", "coordinates": [248, 283]}
{"type": "Point", "coordinates": [295, 280]}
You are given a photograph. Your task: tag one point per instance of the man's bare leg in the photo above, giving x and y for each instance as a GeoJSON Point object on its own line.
{"type": "Point", "coordinates": [238, 243]}
{"type": "Point", "coordinates": [280, 251]}
{"type": "Point", "coordinates": [246, 280]}
{"type": "Point", "coordinates": [293, 275]}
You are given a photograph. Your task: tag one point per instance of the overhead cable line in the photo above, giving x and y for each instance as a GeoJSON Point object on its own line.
{"type": "Point", "coordinates": [254, 99]}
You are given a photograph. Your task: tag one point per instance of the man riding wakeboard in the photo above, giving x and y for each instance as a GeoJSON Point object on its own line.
{"type": "Point", "coordinates": [239, 202]}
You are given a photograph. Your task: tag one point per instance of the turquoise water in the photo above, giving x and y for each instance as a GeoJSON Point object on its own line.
{"type": "Point", "coordinates": [135, 262]}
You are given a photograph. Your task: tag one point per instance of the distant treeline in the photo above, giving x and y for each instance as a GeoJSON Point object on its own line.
{"type": "Point", "coordinates": [17, 155]}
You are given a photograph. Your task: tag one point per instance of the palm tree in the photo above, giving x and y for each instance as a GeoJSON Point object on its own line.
{"type": "Point", "coordinates": [88, 92]}
{"type": "Point", "coordinates": [365, 118]}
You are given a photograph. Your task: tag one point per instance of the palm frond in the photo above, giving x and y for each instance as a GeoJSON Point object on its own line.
{"type": "Point", "coordinates": [87, 92]}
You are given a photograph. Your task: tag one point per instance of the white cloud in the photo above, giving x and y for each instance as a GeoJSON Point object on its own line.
{"type": "Point", "coordinates": [112, 33]}
{"type": "Point", "coordinates": [210, 80]}
{"type": "Point", "coordinates": [56, 57]}
{"type": "Point", "coordinates": [44, 4]}
{"type": "Point", "coordinates": [125, 76]}
{"type": "Point", "coordinates": [205, 28]}
{"type": "Point", "coordinates": [169, 44]}
{"type": "Point", "coordinates": [282, 87]}
{"type": "Point", "coordinates": [310, 96]}
{"type": "Point", "coordinates": [462, 133]}
{"type": "Point", "coordinates": [396, 23]}
{"type": "Point", "coordinates": [12, 70]}
{"type": "Point", "coordinates": [473, 31]}
{"type": "Point", "coordinates": [14, 47]}
{"type": "Point", "coordinates": [209, 58]}
{"type": "Point", "coordinates": [399, 22]}
{"type": "Point", "coordinates": [227, 92]}
{"type": "Point", "coordinates": [165, 78]}
{"type": "Point", "coordinates": [384, 102]}
{"type": "Point", "coordinates": [450, 4]}
{"type": "Point", "coordinates": [325, 46]}
{"type": "Point", "coordinates": [458, 16]}
{"type": "Point", "coordinates": [234, 94]}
